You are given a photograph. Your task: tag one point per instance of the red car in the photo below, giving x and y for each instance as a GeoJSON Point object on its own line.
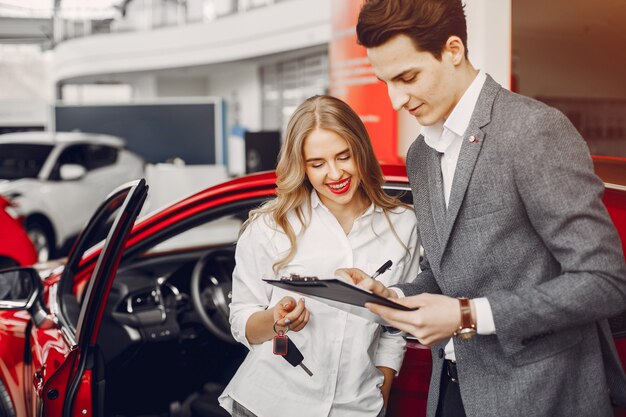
{"type": "Point", "coordinates": [15, 246]}
{"type": "Point", "coordinates": [137, 325]}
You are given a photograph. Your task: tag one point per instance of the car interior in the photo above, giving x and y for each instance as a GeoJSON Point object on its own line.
{"type": "Point", "coordinates": [165, 341]}
{"type": "Point", "coordinates": [166, 337]}
{"type": "Point", "coordinates": [161, 354]}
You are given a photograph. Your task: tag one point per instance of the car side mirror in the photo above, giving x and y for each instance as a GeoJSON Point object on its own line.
{"type": "Point", "coordinates": [20, 289]}
{"type": "Point", "coordinates": [72, 172]}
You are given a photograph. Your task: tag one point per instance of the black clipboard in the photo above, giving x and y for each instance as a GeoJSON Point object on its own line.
{"type": "Point", "coordinates": [334, 289]}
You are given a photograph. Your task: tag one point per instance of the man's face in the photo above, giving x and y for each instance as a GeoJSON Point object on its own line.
{"type": "Point", "coordinates": [426, 87]}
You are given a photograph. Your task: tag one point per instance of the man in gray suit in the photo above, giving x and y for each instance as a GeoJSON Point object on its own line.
{"type": "Point", "coordinates": [518, 245]}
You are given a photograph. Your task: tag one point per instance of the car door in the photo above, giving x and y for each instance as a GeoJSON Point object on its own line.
{"type": "Point", "coordinates": [64, 356]}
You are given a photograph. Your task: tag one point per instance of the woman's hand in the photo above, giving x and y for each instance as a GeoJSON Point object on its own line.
{"type": "Point", "coordinates": [260, 325]}
{"type": "Point", "coordinates": [385, 389]}
{"type": "Point", "coordinates": [292, 314]}
{"type": "Point", "coordinates": [361, 279]}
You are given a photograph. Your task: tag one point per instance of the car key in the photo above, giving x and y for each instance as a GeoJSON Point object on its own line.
{"type": "Point", "coordinates": [294, 357]}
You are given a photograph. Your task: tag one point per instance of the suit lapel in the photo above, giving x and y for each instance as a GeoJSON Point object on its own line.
{"type": "Point", "coordinates": [470, 149]}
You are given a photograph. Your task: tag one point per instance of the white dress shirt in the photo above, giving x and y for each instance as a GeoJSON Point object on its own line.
{"type": "Point", "coordinates": [447, 138]}
{"type": "Point", "coordinates": [342, 350]}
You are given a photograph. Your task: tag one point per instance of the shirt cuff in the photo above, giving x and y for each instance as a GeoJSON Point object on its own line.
{"type": "Point", "coordinates": [397, 291]}
{"type": "Point", "coordinates": [390, 353]}
{"type": "Point", "coordinates": [484, 317]}
{"type": "Point", "coordinates": [390, 361]}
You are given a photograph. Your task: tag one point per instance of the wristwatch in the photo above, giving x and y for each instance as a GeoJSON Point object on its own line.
{"type": "Point", "coordinates": [467, 329]}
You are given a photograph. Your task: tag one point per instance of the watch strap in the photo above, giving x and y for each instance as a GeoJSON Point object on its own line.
{"type": "Point", "coordinates": [467, 329]}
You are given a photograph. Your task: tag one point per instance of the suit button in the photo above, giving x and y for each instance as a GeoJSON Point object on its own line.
{"type": "Point", "coordinates": [440, 353]}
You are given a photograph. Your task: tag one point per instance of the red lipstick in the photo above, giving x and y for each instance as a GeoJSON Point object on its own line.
{"type": "Point", "coordinates": [339, 187]}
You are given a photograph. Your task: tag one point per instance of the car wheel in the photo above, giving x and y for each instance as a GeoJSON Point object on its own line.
{"type": "Point", "coordinates": [6, 407]}
{"type": "Point", "coordinates": [7, 263]}
{"type": "Point", "coordinates": [41, 236]}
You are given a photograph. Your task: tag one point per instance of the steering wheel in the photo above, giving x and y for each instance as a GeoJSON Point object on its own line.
{"type": "Point", "coordinates": [211, 291]}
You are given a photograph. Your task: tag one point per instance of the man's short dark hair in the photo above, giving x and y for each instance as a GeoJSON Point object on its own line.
{"type": "Point", "coordinates": [428, 23]}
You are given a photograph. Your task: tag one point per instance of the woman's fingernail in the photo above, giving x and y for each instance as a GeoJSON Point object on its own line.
{"type": "Point", "coordinates": [302, 299]}
{"type": "Point", "coordinates": [287, 321]}
{"type": "Point", "coordinates": [287, 304]}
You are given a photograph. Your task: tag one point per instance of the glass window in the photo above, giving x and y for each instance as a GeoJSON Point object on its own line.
{"type": "Point", "coordinates": [74, 281]}
{"type": "Point", "coordinates": [288, 83]}
{"type": "Point", "coordinates": [99, 156]}
{"type": "Point", "coordinates": [74, 154]}
{"type": "Point", "coordinates": [22, 160]}
{"type": "Point", "coordinates": [219, 232]}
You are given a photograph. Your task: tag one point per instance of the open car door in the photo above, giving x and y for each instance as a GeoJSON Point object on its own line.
{"type": "Point", "coordinates": [81, 295]}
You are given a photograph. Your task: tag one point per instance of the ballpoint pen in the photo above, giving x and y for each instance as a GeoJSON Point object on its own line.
{"type": "Point", "coordinates": [382, 269]}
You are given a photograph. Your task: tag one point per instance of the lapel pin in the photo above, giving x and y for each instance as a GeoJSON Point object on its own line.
{"type": "Point", "coordinates": [472, 139]}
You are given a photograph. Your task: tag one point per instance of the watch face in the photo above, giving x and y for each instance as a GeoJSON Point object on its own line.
{"type": "Point", "coordinates": [466, 333]}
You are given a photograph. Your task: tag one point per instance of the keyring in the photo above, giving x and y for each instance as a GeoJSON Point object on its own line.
{"type": "Point", "coordinates": [274, 327]}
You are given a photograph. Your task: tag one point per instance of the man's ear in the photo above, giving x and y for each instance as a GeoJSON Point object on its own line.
{"type": "Point", "coordinates": [454, 46]}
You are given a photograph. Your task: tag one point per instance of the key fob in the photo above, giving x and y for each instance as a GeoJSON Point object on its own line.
{"type": "Point", "coordinates": [280, 344]}
{"type": "Point", "coordinates": [294, 356]}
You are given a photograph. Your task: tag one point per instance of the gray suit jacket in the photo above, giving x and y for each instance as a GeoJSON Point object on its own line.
{"type": "Point", "coordinates": [526, 228]}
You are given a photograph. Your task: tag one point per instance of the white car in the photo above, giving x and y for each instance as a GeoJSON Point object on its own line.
{"type": "Point", "coordinates": [58, 179]}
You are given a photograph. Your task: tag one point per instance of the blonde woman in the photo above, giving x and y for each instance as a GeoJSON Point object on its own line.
{"type": "Point", "coordinates": [330, 212]}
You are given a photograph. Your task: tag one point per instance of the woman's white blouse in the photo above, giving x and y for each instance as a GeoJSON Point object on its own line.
{"type": "Point", "coordinates": [342, 350]}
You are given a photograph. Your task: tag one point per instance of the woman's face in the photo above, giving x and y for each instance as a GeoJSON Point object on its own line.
{"type": "Point", "coordinates": [331, 170]}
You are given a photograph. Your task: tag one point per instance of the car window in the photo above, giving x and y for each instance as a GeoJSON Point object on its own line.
{"type": "Point", "coordinates": [73, 282]}
{"type": "Point", "coordinates": [99, 156]}
{"type": "Point", "coordinates": [74, 154]}
{"type": "Point", "coordinates": [18, 160]}
{"type": "Point", "coordinates": [213, 228]}
{"type": "Point", "coordinates": [218, 232]}
{"type": "Point", "coordinates": [225, 229]}
{"type": "Point", "coordinates": [97, 235]}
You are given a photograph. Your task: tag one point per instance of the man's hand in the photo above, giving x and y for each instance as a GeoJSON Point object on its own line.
{"type": "Point", "coordinates": [363, 280]}
{"type": "Point", "coordinates": [292, 314]}
{"type": "Point", "coordinates": [437, 317]}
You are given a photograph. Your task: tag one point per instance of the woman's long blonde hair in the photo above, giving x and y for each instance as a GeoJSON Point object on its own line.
{"type": "Point", "coordinates": [292, 186]}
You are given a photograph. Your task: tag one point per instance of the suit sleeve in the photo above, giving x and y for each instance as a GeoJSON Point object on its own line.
{"type": "Point", "coordinates": [554, 176]}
